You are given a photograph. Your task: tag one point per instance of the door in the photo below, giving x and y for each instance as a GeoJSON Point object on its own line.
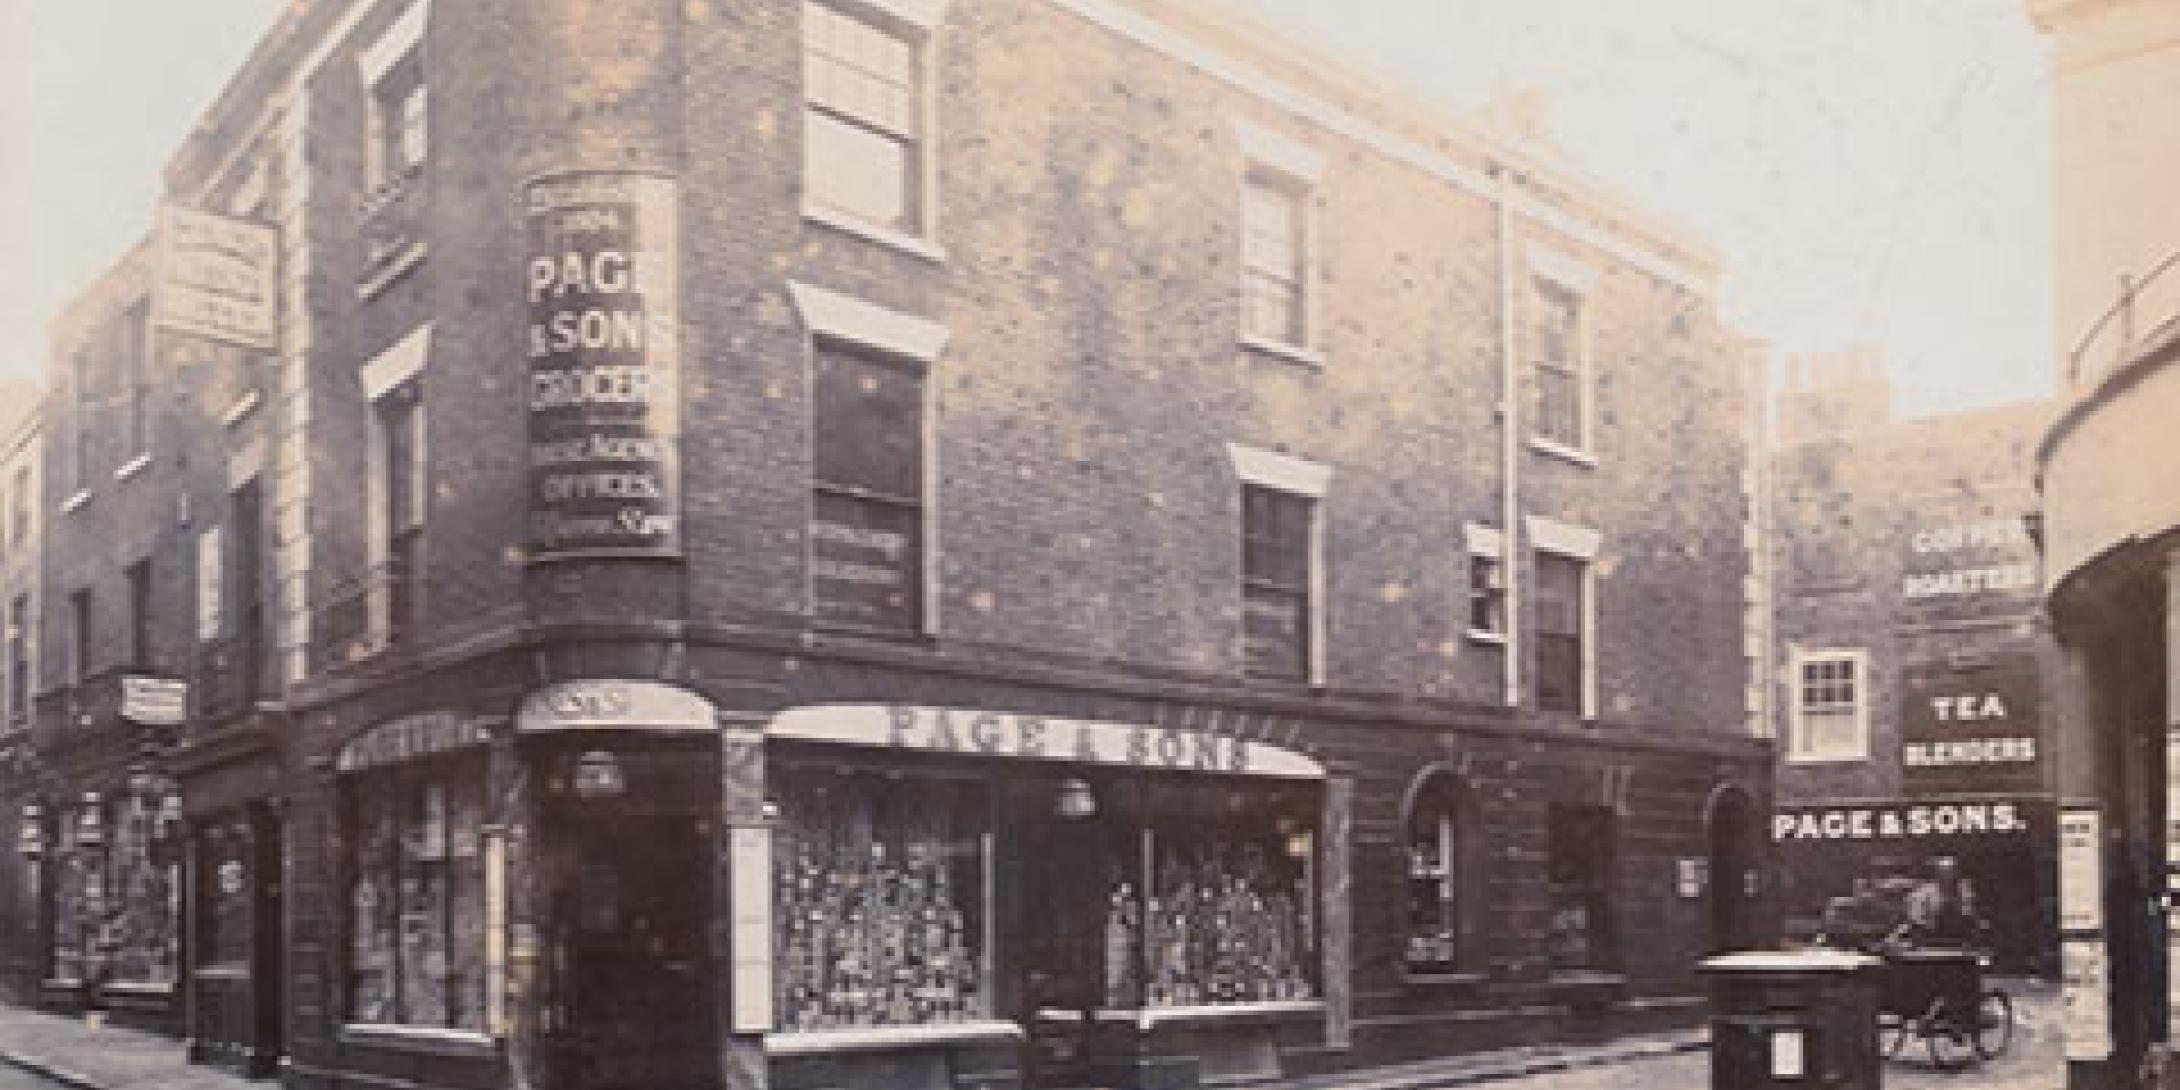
{"type": "Point", "coordinates": [1731, 825]}
{"type": "Point", "coordinates": [634, 991]}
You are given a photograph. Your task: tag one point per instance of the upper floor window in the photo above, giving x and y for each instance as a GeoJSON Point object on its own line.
{"type": "Point", "coordinates": [1282, 564]}
{"type": "Point", "coordinates": [1278, 608]}
{"type": "Point", "coordinates": [1486, 583]}
{"type": "Point", "coordinates": [398, 419]}
{"type": "Point", "coordinates": [1560, 374]}
{"type": "Point", "coordinates": [1272, 266]}
{"type": "Point", "coordinates": [79, 635]}
{"type": "Point", "coordinates": [863, 138]}
{"type": "Point", "coordinates": [18, 699]}
{"type": "Point", "coordinates": [1278, 240]}
{"type": "Point", "coordinates": [397, 101]}
{"type": "Point", "coordinates": [1560, 636]}
{"type": "Point", "coordinates": [133, 347]}
{"type": "Point", "coordinates": [1830, 719]}
{"type": "Point", "coordinates": [140, 611]}
{"type": "Point", "coordinates": [867, 484]}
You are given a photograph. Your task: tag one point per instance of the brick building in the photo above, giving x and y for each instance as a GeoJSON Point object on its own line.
{"type": "Point", "coordinates": [1912, 714]}
{"type": "Point", "coordinates": [21, 836]}
{"type": "Point", "coordinates": [906, 543]}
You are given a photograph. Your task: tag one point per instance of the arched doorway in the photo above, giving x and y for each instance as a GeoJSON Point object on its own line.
{"type": "Point", "coordinates": [1730, 823]}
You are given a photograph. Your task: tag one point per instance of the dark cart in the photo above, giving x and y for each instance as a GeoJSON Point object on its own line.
{"type": "Point", "coordinates": [1937, 994]}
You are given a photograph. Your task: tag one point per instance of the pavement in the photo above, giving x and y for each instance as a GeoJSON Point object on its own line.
{"type": "Point", "coordinates": [80, 1055]}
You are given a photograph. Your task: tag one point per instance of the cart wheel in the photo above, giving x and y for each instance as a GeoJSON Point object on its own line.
{"type": "Point", "coordinates": [1892, 1034]}
{"type": "Point", "coordinates": [1994, 1023]}
{"type": "Point", "coordinates": [1950, 1034]}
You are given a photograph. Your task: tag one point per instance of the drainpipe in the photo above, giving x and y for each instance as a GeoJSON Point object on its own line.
{"type": "Point", "coordinates": [1510, 537]}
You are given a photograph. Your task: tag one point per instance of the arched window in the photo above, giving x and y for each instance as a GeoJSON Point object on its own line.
{"type": "Point", "coordinates": [1434, 875]}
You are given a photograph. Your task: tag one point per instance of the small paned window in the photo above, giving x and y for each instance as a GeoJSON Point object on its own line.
{"type": "Point", "coordinates": [1829, 720]}
{"type": "Point", "coordinates": [1273, 259]}
{"type": "Point", "coordinates": [1560, 639]}
{"type": "Point", "coordinates": [867, 507]}
{"type": "Point", "coordinates": [1486, 595]}
{"type": "Point", "coordinates": [1557, 411]}
{"type": "Point", "coordinates": [861, 140]}
{"type": "Point", "coordinates": [1277, 618]}
{"type": "Point", "coordinates": [400, 120]}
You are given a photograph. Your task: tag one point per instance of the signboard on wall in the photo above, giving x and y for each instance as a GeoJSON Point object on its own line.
{"type": "Point", "coordinates": [1974, 728]}
{"type": "Point", "coordinates": [218, 277]}
{"type": "Point", "coordinates": [2081, 870]}
{"type": "Point", "coordinates": [1957, 568]}
{"type": "Point", "coordinates": [602, 282]}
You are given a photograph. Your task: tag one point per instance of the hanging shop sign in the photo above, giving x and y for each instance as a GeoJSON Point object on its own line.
{"type": "Point", "coordinates": [154, 701]}
{"type": "Point", "coordinates": [218, 277]}
{"type": "Point", "coordinates": [607, 704]}
{"type": "Point", "coordinates": [602, 282]}
{"type": "Point", "coordinates": [1903, 821]}
{"type": "Point", "coordinates": [409, 738]}
{"type": "Point", "coordinates": [1968, 568]}
{"type": "Point", "coordinates": [1971, 728]}
{"type": "Point", "coordinates": [1237, 746]}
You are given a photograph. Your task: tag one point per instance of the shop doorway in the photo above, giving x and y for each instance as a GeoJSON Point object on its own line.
{"type": "Point", "coordinates": [236, 1003]}
{"type": "Point", "coordinates": [1732, 828]}
{"type": "Point", "coordinates": [633, 991]}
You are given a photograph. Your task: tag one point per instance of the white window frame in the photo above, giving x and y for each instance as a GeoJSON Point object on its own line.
{"type": "Point", "coordinates": [395, 369]}
{"type": "Point", "coordinates": [1271, 159]}
{"type": "Point", "coordinates": [915, 22]}
{"type": "Point", "coordinates": [1579, 280]}
{"type": "Point", "coordinates": [1485, 543]}
{"type": "Point", "coordinates": [1798, 750]}
{"type": "Point", "coordinates": [845, 319]}
{"type": "Point", "coordinates": [401, 42]}
{"type": "Point", "coordinates": [1581, 543]}
{"type": "Point", "coordinates": [1308, 479]}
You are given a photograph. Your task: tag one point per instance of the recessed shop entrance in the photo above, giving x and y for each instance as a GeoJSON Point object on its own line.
{"type": "Point", "coordinates": [1734, 850]}
{"type": "Point", "coordinates": [627, 855]}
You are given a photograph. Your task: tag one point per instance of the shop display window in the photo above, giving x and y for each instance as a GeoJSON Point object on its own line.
{"type": "Point", "coordinates": [1230, 881]}
{"type": "Point", "coordinates": [416, 896]}
{"type": "Point", "coordinates": [115, 894]}
{"type": "Point", "coordinates": [880, 890]}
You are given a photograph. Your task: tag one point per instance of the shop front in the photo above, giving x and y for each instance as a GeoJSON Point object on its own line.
{"type": "Point", "coordinates": [1851, 865]}
{"type": "Point", "coordinates": [958, 892]}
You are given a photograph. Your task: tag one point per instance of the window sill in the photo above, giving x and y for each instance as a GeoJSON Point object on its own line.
{"type": "Point", "coordinates": [1443, 980]}
{"type": "Point", "coordinates": [241, 409]}
{"type": "Point", "coordinates": [133, 466]}
{"type": "Point", "coordinates": [1479, 635]}
{"type": "Point", "coordinates": [1826, 758]}
{"type": "Point", "coordinates": [1292, 353]}
{"type": "Point", "coordinates": [875, 1038]}
{"type": "Point", "coordinates": [871, 232]}
{"type": "Point", "coordinates": [1562, 451]}
{"type": "Point", "coordinates": [420, 1039]}
{"type": "Point", "coordinates": [76, 502]}
{"type": "Point", "coordinates": [1152, 1017]}
{"type": "Point", "coordinates": [392, 270]}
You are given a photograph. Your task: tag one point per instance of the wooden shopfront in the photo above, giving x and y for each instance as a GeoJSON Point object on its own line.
{"type": "Point", "coordinates": [964, 896]}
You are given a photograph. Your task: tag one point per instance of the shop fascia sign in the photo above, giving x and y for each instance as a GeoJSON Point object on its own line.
{"type": "Point", "coordinates": [1232, 749]}
{"type": "Point", "coordinates": [1904, 821]}
{"type": "Point", "coordinates": [154, 701]}
{"type": "Point", "coordinates": [1937, 568]}
{"type": "Point", "coordinates": [605, 704]}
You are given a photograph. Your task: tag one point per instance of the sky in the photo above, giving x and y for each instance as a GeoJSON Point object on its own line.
{"type": "Point", "coordinates": [1872, 172]}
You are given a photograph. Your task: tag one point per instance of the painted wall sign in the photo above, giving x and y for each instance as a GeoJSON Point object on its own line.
{"type": "Point", "coordinates": [602, 281]}
{"type": "Point", "coordinates": [409, 738]}
{"type": "Point", "coordinates": [1971, 728]}
{"type": "Point", "coordinates": [2081, 870]}
{"type": "Point", "coordinates": [1234, 748]}
{"type": "Point", "coordinates": [218, 277]}
{"type": "Point", "coordinates": [1901, 821]}
{"type": "Point", "coordinates": [611, 703]}
{"type": "Point", "coordinates": [154, 701]}
{"type": "Point", "coordinates": [1968, 568]}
